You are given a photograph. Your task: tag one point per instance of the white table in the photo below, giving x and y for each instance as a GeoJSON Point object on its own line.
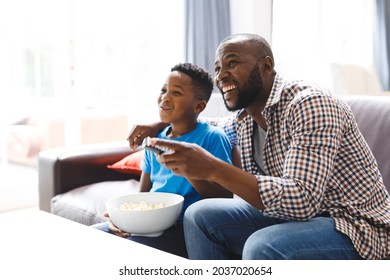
{"type": "Point", "coordinates": [38, 245]}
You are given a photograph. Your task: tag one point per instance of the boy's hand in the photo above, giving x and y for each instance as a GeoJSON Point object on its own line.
{"type": "Point", "coordinates": [116, 231]}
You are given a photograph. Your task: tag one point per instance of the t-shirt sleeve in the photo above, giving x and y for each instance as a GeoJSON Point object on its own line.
{"type": "Point", "coordinates": [145, 163]}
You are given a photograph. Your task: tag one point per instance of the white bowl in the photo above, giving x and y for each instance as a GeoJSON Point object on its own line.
{"type": "Point", "coordinates": [145, 222]}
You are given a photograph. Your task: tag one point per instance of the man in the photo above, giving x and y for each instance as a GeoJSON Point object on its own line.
{"type": "Point", "coordinates": [311, 185]}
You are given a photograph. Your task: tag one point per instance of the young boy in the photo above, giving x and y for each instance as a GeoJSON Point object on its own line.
{"type": "Point", "coordinates": [182, 98]}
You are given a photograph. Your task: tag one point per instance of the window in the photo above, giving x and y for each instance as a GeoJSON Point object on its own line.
{"type": "Point", "coordinates": [311, 37]}
{"type": "Point", "coordinates": [90, 53]}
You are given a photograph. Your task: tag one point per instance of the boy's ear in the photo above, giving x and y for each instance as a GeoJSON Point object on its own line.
{"type": "Point", "coordinates": [200, 106]}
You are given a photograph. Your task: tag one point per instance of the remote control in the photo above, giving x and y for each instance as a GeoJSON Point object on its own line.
{"type": "Point", "coordinates": [154, 149]}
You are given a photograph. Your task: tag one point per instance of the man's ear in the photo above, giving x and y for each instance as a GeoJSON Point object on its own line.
{"type": "Point", "coordinates": [268, 65]}
{"type": "Point", "coordinates": [200, 106]}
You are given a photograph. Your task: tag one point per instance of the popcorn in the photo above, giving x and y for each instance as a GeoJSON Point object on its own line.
{"type": "Point", "coordinates": [141, 206]}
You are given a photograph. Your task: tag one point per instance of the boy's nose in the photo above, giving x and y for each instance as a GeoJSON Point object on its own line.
{"type": "Point", "coordinates": [165, 96]}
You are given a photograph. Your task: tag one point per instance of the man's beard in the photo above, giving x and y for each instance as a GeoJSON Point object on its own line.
{"type": "Point", "coordinates": [249, 93]}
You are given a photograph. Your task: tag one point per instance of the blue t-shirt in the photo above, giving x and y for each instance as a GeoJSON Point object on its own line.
{"type": "Point", "coordinates": [211, 138]}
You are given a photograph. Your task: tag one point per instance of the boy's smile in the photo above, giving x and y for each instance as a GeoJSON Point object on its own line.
{"type": "Point", "coordinates": [165, 107]}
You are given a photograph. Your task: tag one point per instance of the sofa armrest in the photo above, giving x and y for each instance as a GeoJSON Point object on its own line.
{"type": "Point", "coordinates": [62, 169]}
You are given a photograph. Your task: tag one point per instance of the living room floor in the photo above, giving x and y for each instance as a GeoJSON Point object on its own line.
{"type": "Point", "coordinates": [18, 187]}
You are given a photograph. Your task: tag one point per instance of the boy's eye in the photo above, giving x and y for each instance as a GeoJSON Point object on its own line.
{"type": "Point", "coordinates": [176, 93]}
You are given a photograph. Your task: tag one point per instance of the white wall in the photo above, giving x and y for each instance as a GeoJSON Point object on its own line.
{"type": "Point", "coordinates": [252, 16]}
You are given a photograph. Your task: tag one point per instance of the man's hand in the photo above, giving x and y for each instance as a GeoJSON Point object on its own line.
{"type": "Point", "coordinates": [139, 132]}
{"type": "Point", "coordinates": [195, 163]}
{"type": "Point", "coordinates": [186, 159]}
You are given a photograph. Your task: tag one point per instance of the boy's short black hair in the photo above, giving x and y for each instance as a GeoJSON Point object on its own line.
{"type": "Point", "coordinates": [202, 79]}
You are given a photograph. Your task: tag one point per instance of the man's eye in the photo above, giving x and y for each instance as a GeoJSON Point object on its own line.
{"type": "Point", "coordinates": [217, 69]}
{"type": "Point", "coordinates": [232, 63]}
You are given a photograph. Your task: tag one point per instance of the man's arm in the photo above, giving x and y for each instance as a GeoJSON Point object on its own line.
{"type": "Point", "coordinates": [237, 181]}
{"type": "Point", "coordinates": [195, 163]}
{"type": "Point", "coordinates": [208, 189]}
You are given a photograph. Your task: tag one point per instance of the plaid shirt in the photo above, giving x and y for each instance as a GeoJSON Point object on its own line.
{"type": "Point", "coordinates": [317, 162]}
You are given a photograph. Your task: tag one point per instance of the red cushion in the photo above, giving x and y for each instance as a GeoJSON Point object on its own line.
{"type": "Point", "coordinates": [129, 164]}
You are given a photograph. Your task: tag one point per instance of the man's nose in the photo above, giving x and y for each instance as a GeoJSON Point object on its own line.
{"type": "Point", "coordinates": [222, 74]}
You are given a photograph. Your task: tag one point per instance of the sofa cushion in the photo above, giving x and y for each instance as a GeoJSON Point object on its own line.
{"type": "Point", "coordinates": [86, 204]}
{"type": "Point", "coordinates": [372, 114]}
{"type": "Point", "coordinates": [129, 164]}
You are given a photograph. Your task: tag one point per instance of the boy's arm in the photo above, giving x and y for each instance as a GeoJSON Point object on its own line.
{"type": "Point", "coordinates": [145, 183]}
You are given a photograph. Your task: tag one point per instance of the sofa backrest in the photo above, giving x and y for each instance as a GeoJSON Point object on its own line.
{"type": "Point", "coordinates": [372, 114]}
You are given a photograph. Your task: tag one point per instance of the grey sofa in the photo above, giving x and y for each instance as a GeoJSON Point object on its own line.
{"type": "Point", "coordinates": [76, 183]}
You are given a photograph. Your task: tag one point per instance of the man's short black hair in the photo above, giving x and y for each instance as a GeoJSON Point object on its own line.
{"type": "Point", "coordinates": [202, 79]}
{"type": "Point", "coordinates": [261, 47]}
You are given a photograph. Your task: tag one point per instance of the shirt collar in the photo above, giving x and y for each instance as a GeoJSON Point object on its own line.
{"type": "Point", "coordinates": [275, 94]}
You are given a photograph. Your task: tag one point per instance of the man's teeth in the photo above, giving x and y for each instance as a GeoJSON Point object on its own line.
{"type": "Point", "coordinates": [228, 88]}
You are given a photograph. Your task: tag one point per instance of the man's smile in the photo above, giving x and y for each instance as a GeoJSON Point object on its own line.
{"type": "Point", "coordinates": [227, 88]}
{"type": "Point", "coordinates": [229, 91]}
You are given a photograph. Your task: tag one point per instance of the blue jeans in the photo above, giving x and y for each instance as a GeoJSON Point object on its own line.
{"type": "Point", "coordinates": [231, 228]}
{"type": "Point", "coordinates": [171, 241]}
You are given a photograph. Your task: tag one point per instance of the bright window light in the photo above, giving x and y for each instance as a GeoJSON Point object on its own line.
{"type": "Point", "coordinates": [89, 53]}
{"type": "Point", "coordinates": [309, 36]}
